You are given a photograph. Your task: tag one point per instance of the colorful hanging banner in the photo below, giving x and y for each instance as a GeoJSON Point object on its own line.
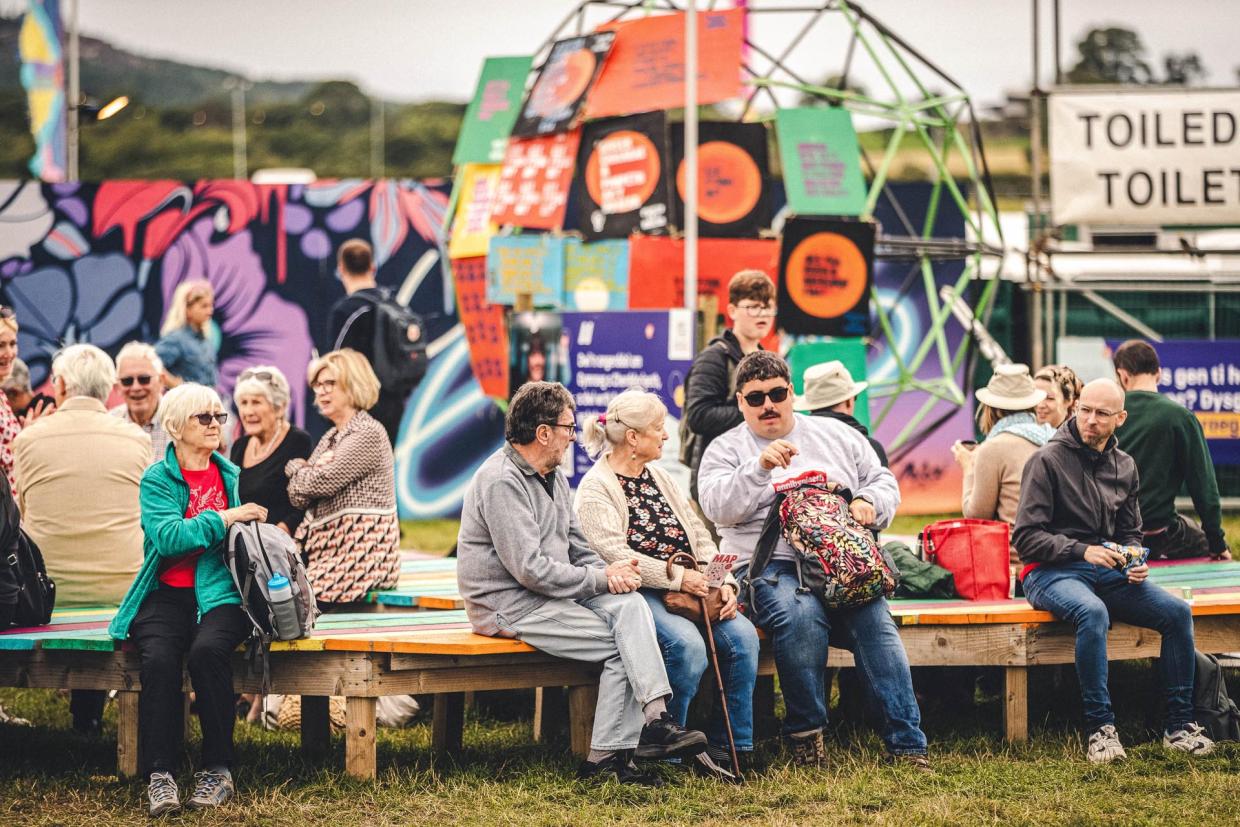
{"type": "Point", "coordinates": [821, 161]}
{"type": "Point", "coordinates": [40, 49]}
{"type": "Point", "coordinates": [732, 179]}
{"type": "Point", "coordinates": [534, 181]}
{"type": "Point", "coordinates": [646, 69]}
{"type": "Point", "coordinates": [492, 111]}
{"type": "Point", "coordinates": [526, 264]}
{"type": "Point", "coordinates": [596, 275]}
{"type": "Point", "coordinates": [564, 80]}
{"type": "Point", "coordinates": [536, 349]}
{"type": "Point", "coordinates": [623, 175]}
{"type": "Point", "coordinates": [472, 227]}
{"type": "Point", "coordinates": [485, 329]}
{"type": "Point", "coordinates": [826, 268]}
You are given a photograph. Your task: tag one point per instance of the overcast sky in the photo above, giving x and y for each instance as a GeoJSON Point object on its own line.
{"type": "Point", "coordinates": [432, 49]}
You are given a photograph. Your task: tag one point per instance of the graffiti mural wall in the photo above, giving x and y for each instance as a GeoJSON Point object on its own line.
{"type": "Point", "coordinates": [97, 263]}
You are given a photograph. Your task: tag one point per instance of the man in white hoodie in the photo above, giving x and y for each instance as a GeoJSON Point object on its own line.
{"type": "Point", "coordinates": [736, 483]}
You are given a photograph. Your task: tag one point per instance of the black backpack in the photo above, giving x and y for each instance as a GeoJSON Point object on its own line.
{"type": "Point", "coordinates": [692, 444]}
{"type": "Point", "coordinates": [1215, 710]}
{"type": "Point", "coordinates": [398, 352]}
{"type": "Point", "coordinates": [27, 594]}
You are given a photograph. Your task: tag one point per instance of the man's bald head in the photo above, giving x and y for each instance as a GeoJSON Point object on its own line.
{"type": "Point", "coordinates": [1106, 394]}
{"type": "Point", "coordinates": [1099, 412]}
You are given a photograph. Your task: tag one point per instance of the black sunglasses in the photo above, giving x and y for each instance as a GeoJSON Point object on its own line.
{"type": "Point", "coordinates": [756, 399]}
{"type": "Point", "coordinates": [204, 419]}
{"type": "Point", "coordinates": [261, 375]}
{"type": "Point", "coordinates": [143, 380]}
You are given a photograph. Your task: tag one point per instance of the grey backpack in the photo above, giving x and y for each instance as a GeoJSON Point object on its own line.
{"type": "Point", "coordinates": [1215, 710]}
{"type": "Point", "coordinates": [255, 553]}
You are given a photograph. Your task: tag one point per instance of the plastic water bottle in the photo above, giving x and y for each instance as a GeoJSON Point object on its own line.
{"type": "Point", "coordinates": [284, 612]}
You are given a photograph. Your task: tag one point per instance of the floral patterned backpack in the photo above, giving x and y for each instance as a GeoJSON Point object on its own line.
{"type": "Point", "coordinates": [838, 559]}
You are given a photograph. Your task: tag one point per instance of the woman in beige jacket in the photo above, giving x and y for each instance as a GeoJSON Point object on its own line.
{"type": "Point", "coordinates": [629, 508]}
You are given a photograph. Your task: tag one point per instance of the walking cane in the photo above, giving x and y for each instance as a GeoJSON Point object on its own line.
{"type": "Point", "coordinates": [689, 562]}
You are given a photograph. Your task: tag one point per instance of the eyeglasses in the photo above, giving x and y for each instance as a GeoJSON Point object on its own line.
{"type": "Point", "coordinates": [143, 380]}
{"type": "Point", "coordinates": [325, 386]}
{"type": "Point", "coordinates": [204, 419]}
{"type": "Point", "coordinates": [757, 311]}
{"type": "Point", "coordinates": [1083, 411]}
{"type": "Point", "coordinates": [756, 399]}
{"type": "Point", "coordinates": [261, 375]}
{"type": "Point", "coordinates": [572, 428]}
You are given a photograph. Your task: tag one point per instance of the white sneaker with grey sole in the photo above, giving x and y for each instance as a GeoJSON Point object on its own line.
{"type": "Point", "coordinates": [1191, 739]}
{"type": "Point", "coordinates": [1104, 746]}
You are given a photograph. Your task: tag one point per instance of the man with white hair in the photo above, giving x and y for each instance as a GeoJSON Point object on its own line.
{"type": "Point", "coordinates": [140, 377]}
{"type": "Point", "coordinates": [80, 471]}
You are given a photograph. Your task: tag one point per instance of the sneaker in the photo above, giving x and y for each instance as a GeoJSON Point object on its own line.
{"type": "Point", "coordinates": [1190, 738]}
{"type": "Point", "coordinates": [1104, 746]}
{"type": "Point", "coordinates": [619, 765]}
{"type": "Point", "coordinates": [915, 760]}
{"type": "Point", "coordinates": [664, 738]}
{"type": "Point", "coordinates": [211, 789]}
{"type": "Point", "coordinates": [807, 750]}
{"type": "Point", "coordinates": [704, 764]}
{"type": "Point", "coordinates": [162, 794]}
{"type": "Point", "coordinates": [6, 718]}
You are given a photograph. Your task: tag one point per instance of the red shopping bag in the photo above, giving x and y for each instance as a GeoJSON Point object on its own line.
{"type": "Point", "coordinates": [975, 551]}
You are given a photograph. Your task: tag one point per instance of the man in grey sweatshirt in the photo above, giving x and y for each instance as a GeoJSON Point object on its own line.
{"type": "Point", "coordinates": [527, 572]}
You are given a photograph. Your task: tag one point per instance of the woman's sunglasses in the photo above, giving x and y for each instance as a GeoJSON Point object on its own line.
{"type": "Point", "coordinates": [756, 399]}
{"type": "Point", "coordinates": [143, 380]}
{"type": "Point", "coordinates": [204, 419]}
{"type": "Point", "coordinates": [261, 375]}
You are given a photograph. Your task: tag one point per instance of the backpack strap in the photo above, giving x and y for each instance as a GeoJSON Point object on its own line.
{"type": "Point", "coordinates": [371, 304]}
{"type": "Point", "coordinates": [765, 547]}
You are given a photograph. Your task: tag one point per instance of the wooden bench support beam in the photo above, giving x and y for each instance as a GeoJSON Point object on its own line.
{"type": "Point", "coordinates": [581, 703]}
{"type": "Point", "coordinates": [447, 724]}
{"type": "Point", "coordinates": [126, 734]}
{"type": "Point", "coordinates": [316, 726]}
{"type": "Point", "coordinates": [359, 738]}
{"type": "Point", "coordinates": [1016, 704]}
{"type": "Point", "coordinates": [550, 714]}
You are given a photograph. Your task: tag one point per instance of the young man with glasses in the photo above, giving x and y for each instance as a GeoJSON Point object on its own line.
{"type": "Point", "coordinates": [1078, 514]}
{"type": "Point", "coordinates": [527, 572]}
{"type": "Point", "coordinates": [710, 387]}
{"type": "Point", "coordinates": [738, 479]}
{"type": "Point", "coordinates": [139, 376]}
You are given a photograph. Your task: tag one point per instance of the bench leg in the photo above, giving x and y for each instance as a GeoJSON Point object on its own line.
{"type": "Point", "coordinates": [765, 724]}
{"type": "Point", "coordinates": [581, 703]}
{"type": "Point", "coordinates": [447, 723]}
{"type": "Point", "coordinates": [126, 734]}
{"type": "Point", "coordinates": [550, 714]}
{"type": "Point", "coordinates": [359, 737]}
{"type": "Point", "coordinates": [315, 724]}
{"type": "Point", "coordinates": [1016, 703]}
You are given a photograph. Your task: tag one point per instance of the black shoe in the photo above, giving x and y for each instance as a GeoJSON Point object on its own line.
{"type": "Point", "coordinates": [620, 766]}
{"type": "Point", "coordinates": [664, 738]}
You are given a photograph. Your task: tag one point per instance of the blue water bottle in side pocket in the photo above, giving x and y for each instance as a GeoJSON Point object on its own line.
{"type": "Point", "coordinates": [285, 624]}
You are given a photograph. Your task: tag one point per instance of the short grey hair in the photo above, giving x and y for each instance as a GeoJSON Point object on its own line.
{"type": "Point", "coordinates": [19, 378]}
{"type": "Point", "coordinates": [534, 404]}
{"type": "Point", "coordinates": [275, 388]}
{"type": "Point", "coordinates": [182, 402]}
{"type": "Point", "coordinates": [86, 371]}
{"type": "Point", "coordinates": [636, 409]}
{"type": "Point", "coordinates": [140, 350]}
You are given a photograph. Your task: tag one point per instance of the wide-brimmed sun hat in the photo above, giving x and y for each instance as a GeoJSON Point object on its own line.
{"type": "Point", "coordinates": [826, 384]}
{"type": "Point", "coordinates": [1011, 388]}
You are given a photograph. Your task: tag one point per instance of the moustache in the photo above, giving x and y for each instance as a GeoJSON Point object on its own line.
{"type": "Point", "coordinates": [769, 415]}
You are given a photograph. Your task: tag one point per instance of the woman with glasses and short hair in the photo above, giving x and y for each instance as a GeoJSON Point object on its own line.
{"type": "Point", "coordinates": [270, 441]}
{"type": "Point", "coordinates": [185, 348]}
{"type": "Point", "coordinates": [350, 534]}
{"type": "Point", "coordinates": [183, 605]}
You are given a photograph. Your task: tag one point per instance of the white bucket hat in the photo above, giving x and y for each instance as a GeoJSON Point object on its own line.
{"type": "Point", "coordinates": [826, 384]}
{"type": "Point", "coordinates": [1011, 388]}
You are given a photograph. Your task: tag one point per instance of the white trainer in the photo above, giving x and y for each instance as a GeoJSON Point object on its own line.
{"type": "Point", "coordinates": [1191, 739]}
{"type": "Point", "coordinates": [1104, 746]}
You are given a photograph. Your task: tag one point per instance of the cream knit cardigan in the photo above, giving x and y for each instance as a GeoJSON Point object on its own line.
{"type": "Point", "coordinates": [603, 512]}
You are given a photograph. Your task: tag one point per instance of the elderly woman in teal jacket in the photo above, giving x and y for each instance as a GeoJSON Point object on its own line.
{"type": "Point", "coordinates": [183, 603]}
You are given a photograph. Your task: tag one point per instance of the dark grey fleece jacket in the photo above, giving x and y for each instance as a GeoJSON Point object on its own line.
{"type": "Point", "coordinates": [1072, 497]}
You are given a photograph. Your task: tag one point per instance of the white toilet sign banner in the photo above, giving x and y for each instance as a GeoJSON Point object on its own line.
{"type": "Point", "coordinates": [1145, 157]}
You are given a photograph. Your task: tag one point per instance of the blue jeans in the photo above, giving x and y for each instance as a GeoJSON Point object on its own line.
{"type": "Point", "coordinates": [686, 660]}
{"type": "Point", "coordinates": [1089, 597]}
{"type": "Point", "coordinates": [800, 628]}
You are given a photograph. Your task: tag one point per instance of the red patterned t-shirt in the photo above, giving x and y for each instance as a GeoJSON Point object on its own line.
{"type": "Point", "coordinates": [206, 493]}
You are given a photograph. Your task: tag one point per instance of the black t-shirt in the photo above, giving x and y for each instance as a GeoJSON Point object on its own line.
{"type": "Point", "coordinates": [361, 334]}
{"type": "Point", "coordinates": [265, 482]}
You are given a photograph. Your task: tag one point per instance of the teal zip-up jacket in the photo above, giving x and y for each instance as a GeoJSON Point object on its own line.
{"type": "Point", "coordinates": [167, 534]}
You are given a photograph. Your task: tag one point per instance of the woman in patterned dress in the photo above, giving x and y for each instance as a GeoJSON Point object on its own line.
{"type": "Point", "coordinates": [350, 535]}
{"type": "Point", "coordinates": [630, 508]}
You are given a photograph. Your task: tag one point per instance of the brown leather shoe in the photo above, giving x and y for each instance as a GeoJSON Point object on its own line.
{"type": "Point", "coordinates": [807, 750]}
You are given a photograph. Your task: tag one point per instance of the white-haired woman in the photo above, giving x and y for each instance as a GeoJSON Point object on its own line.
{"type": "Point", "coordinates": [184, 347]}
{"type": "Point", "coordinates": [269, 443]}
{"type": "Point", "coordinates": [183, 604]}
{"type": "Point", "coordinates": [629, 508]}
{"type": "Point", "coordinates": [350, 536]}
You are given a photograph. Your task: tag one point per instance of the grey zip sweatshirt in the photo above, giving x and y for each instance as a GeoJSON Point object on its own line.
{"type": "Point", "coordinates": [519, 547]}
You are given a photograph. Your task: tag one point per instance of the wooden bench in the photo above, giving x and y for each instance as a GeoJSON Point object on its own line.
{"type": "Point", "coordinates": [365, 656]}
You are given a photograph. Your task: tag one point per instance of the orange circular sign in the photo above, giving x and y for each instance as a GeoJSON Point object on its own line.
{"type": "Point", "coordinates": [826, 275]}
{"type": "Point", "coordinates": [622, 172]}
{"type": "Point", "coordinates": [562, 83]}
{"type": "Point", "coordinates": [729, 182]}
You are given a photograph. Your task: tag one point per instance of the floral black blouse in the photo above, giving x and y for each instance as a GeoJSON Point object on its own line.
{"type": "Point", "coordinates": [654, 529]}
